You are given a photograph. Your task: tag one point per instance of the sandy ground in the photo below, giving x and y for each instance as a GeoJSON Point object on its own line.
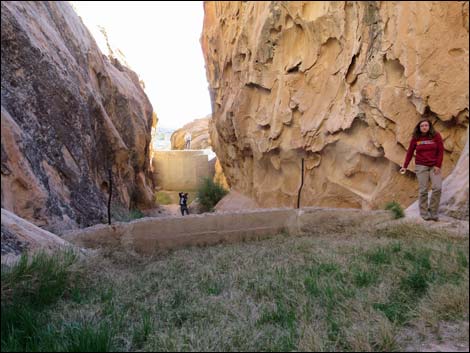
{"type": "Point", "coordinates": [448, 337]}
{"type": "Point", "coordinates": [163, 211]}
{"type": "Point", "coordinates": [235, 201]}
{"type": "Point", "coordinates": [171, 210]}
{"type": "Point", "coordinates": [445, 223]}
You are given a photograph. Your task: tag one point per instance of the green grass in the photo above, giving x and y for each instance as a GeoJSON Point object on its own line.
{"type": "Point", "coordinates": [171, 197]}
{"type": "Point", "coordinates": [163, 198]}
{"type": "Point", "coordinates": [121, 214]}
{"type": "Point", "coordinates": [396, 209]}
{"type": "Point", "coordinates": [365, 278]}
{"type": "Point", "coordinates": [318, 293]}
{"type": "Point", "coordinates": [135, 214]}
{"type": "Point", "coordinates": [30, 290]}
{"type": "Point", "coordinates": [39, 281]}
{"type": "Point", "coordinates": [143, 329]}
{"type": "Point", "coordinates": [379, 256]}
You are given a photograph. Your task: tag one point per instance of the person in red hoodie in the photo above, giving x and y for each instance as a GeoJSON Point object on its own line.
{"type": "Point", "coordinates": [429, 154]}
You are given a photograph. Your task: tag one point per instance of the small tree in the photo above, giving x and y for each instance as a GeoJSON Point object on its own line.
{"type": "Point", "coordinates": [209, 193]}
{"type": "Point", "coordinates": [396, 209]}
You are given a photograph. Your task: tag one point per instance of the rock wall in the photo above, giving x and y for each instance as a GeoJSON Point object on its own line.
{"type": "Point", "coordinates": [235, 202]}
{"type": "Point", "coordinates": [19, 235]}
{"type": "Point", "coordinates": [340, 84]}
{"type": "Point", "coordinates": [455, 191]}
{"type": "Point", "coordinates": [149, 235]}
{"type": "Point", "coordinates": [455, 196]}
{"type": "Point", "coordinates": [199, 129]}
{"type": "Point", "coordinates": [219, 176]}
{"type": "Point", "coordinates": [68, 113]}
{"type": "Point", "coordinates": [180, 170]}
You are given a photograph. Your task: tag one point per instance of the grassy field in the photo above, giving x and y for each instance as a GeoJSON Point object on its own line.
{"type": "Point", "coordinates": [335, 292]}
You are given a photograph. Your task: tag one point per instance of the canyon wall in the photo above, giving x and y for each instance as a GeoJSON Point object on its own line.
{"type": "Point", "coordinates": [339, 84]}
{"type": "Point", "coordinates": [68, 115]}
{"type": "Point", "coordinates": [200, 139]}
{"type": "Point", "coordinates": [199, 130]}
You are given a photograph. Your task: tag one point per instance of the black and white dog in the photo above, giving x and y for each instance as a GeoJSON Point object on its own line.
{"type": "Point", "coordinates": [184, 203]}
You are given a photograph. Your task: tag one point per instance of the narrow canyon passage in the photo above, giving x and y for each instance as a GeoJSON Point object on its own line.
{"type": "Point", "coordinates": [234, 176]}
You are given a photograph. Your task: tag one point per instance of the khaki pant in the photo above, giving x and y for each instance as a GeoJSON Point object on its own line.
{"type": "Point", "coordinates": [424, 174]}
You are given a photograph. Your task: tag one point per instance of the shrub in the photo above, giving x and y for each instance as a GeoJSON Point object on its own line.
{"type": "Point", "coordinates": [209, 193]}
{"type": "Point", "coordinates": [135, 214]}
{"type": "Point", "coordinates": [121, 214]}
{"type": "Point", "coordinates": [396, 209]}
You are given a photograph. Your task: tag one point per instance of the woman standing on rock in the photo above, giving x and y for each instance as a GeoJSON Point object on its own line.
{"type": "Point", "coordinates": [429, 154]}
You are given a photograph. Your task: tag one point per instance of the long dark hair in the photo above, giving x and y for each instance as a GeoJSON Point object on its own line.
{"type": "Point", "coordinates": [417, 131]}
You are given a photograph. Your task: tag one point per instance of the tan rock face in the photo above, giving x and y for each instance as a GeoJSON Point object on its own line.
{"type": "Point", "coordinates": [340, 84]}
{"type": "Point", "coordinates": [455, 197]}
{"type": "Point", "coordinates": [455, 191]}
{"type": "Point", "coordinates": [199, 130]}
{"type": "Point", "coordinates": [219, 176]}
{"type": "Point", "coordinates": [19, 235]}
{"type": "Point", "coordinates": [68, 114]}
{"type": "Point", "coordinates": [234, 201]}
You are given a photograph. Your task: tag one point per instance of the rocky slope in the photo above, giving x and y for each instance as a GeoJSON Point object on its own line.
{"type": "Point", "coordinates": [68, 114]}
{"type": "Point", "coordinates": [19, 235]}
{"type": "Point", "coordinates": [199, 129]}
{"type": "Point", "coordinates": [340, 84]}
{"type": "Point", "coordinates": [455, 198]}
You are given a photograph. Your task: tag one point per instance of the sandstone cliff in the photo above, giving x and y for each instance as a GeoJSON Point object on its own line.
{"type": "Point", "coordinates": [68, 113]}
{"type": "Point", "coordinates": [340, 84]}
{"type": "Point", "coordinates": [455, 191]}
{"type": "Point", "coordinates": [19, 235]}
{"type": "Point", "coordinates": [199, 129]}
{"type": "Point", "coordinates": [455, 198]}
{"type": "Point", "coordinates": [219, 176]}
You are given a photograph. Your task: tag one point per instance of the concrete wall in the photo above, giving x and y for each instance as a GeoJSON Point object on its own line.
{"type": "Point", "coordinates": [180, 170]}
{"type": "Point", "coordinates": [149, 235]}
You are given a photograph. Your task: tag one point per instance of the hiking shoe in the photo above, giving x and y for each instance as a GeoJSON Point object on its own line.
{"type": "Point", "coordinates": [426, 217]}
{"type": "Point", "coordinates": [434, 218]}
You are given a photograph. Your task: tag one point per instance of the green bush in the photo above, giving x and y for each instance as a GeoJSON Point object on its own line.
{"type": "Point", "coordinates": [396, 209]}
{"type": "Point", "coordinates": [209, 193]}
{"type": "Point", "coordinates": [121, 214]}
{"type": "Point", "coordinates": [135, 214]}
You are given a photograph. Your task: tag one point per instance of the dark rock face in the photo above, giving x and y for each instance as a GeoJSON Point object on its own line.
{"type": "Point", "coordinates": [10, 243]}
{"type": "Point", "coordinates": [68, 114]}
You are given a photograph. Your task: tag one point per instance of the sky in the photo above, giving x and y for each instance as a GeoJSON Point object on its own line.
{"type": "Point", "coordinates": [160, 41]}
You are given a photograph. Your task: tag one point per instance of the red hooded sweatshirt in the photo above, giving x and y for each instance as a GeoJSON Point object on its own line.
{"type": "Point", "coordinates": [429, 151]}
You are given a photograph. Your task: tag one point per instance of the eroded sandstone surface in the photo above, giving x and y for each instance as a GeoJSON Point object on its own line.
{"type": "Point", "coordinates": [19, 235]}
{"type": "Point", "coordinates": [340, 84]}
{"type": "Point", "coordinates": [199, 130]}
